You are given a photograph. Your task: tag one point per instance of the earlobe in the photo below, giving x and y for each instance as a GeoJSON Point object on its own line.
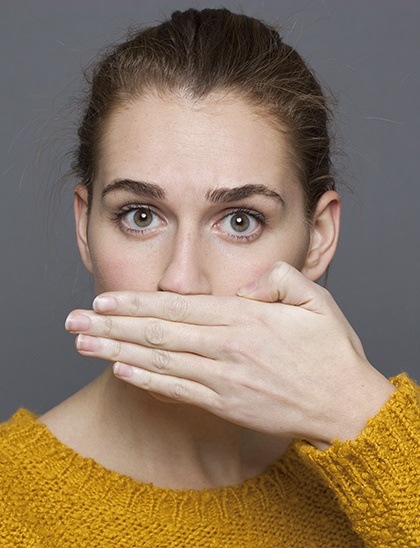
{"type": "Point", "coordinates": [324, 235]}
{"type": "Point", "coordinates": [81, 216]}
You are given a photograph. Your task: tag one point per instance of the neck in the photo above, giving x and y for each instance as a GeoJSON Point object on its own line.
{"type": "Point", "coordinates": [169, 444]}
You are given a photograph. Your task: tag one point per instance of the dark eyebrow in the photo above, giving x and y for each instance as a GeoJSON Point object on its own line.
{"type": "Point", "coordinates": [240, 192]}
{"type": "Point", "coordinates": [142, 188]}
{"type": "Point", "coordinates": [224, 195]}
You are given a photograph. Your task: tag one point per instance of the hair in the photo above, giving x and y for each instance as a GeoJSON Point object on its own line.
{"type": "Point", "coordinates": [197, 53]}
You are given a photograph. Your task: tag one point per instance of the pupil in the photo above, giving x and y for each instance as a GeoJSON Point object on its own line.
{"type": "Point", "coordinates": [239, 223]}
{"type": "Point", "coordinates": [142, 218]}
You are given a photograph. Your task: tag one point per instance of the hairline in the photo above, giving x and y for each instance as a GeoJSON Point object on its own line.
{"type": "Point", "coordinates": [216, 95]}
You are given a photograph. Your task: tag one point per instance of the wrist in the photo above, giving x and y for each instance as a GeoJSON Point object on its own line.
{"type": "Point", "coordinates": [360, 400]}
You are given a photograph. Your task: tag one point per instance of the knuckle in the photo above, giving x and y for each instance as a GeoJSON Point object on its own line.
{"type": "Point", "coordinates": [324, 294]}
{"type": "Point", "coordinates": [160, 359]}
{"type": "Point", "coordinates": [154, 332]}
{"type": "Point", "coordinates": [252, 318]}
{"type": "Point", "coordinates": [279, 271]}
{"type": "Point", "coordinates": [146, 381]}
{"type": "Point", "coordinates": [176, 307]}
{"type": "Point", "coordinates": [116, 351]}
{"type": "Point", "coordinates": [133, 305]}
{"type": "Point", "coordinates": [242, 313]}
{"type": "Point", "coordinates": [221, 407]}
{"type": "Point", "coordinates": [177, 391]}
{"type": "Point", "coordinates": [107, 324]}
{"type": "Point", "coordinates": [231, 346]}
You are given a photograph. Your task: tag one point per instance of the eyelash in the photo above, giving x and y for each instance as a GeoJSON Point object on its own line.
{"type": "Point", "coordinates": [259, 217]}
{"type": "Point", "coordinates": [119, 215]}
{"type": "Point", "coordinates": [256, 215]}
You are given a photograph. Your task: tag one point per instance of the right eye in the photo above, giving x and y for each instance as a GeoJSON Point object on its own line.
{"type": "Point", "coordinates": [138, 219]}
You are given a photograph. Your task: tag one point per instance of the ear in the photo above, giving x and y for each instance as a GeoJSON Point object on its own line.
{"type": "Point", "coordinates": [324, 233]}
{"type": "Point", "coordinates": [81, 216]}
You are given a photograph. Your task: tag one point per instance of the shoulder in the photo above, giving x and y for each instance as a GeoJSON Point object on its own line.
{"type": "Point", "coordinates": [15, 434]}
{"type": "Point", "coordinates": [37, 479]}
{"type": "Point", "coordinates": [17, 438]}
{"type": "Point", "coordinates": [30, 459]}
{"type": "Point", "coordinates": [19, 454]}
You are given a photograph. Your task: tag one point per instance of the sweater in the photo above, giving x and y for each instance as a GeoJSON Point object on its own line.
{"type": "Point", "coordinates": [363, 492]}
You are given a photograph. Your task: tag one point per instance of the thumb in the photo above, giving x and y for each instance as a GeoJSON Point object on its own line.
{"type": "Point", "coordinates": [286, 284]}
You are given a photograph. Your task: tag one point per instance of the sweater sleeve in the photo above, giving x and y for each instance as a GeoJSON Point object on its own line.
{"type": "Point", "coordinates": [376, 477]}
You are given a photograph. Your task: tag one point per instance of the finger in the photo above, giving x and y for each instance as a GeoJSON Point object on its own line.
{"type": "Point", "coordinates": [193, 309]}
{"type": "Point", "coordinates": [286, 284]}
{"type": "Point", "coordinates": [150, 332]}
{"type": "Point", "coordinates": [181, 390]}
{"type": "Point", "coordinates": [177, 364]}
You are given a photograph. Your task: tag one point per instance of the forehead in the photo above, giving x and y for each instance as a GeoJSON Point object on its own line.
{"type": "Point", "coordinates": [219, 141]}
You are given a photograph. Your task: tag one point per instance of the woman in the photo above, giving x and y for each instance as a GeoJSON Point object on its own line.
{"type": "Point", "coordinates": [239, 409]}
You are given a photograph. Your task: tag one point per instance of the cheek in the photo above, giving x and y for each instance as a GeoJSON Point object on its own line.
{"type": "Point", "coordinates": [248, 263]}
{"type": "Point", "coordinates": [233, 274]}
{"type": "Point", "coordinates": [122, 271]}
{"type": "Point", "coordinates": [117, 266]}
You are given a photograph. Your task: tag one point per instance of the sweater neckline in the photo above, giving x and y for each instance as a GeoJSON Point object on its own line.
{"type": "Point", "coordinates": [46, 444]}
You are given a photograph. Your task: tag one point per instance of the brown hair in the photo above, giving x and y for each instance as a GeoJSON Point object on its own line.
{"type": "Point", "coordinates": [199, 52]}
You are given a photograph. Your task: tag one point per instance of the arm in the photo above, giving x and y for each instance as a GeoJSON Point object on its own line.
{"type": "Point", "coordinates": [376, 477]}
{"type": "Point", "coordinates": [290, 368]}
{"type": "Point", "coordinates": [283, 361]}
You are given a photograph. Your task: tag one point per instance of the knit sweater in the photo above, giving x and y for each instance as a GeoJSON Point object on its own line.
{"type": "Point", "coordinates": [363, 492]}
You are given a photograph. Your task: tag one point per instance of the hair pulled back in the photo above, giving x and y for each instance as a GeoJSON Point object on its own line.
{"type": "Point", "coordinates": [200, 52]}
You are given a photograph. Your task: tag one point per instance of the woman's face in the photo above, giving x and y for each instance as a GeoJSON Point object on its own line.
{"type": "Point", "coordinates": [190, 199]}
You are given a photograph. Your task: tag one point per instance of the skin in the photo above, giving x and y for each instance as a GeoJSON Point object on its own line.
{"type": "Point", "coordinates": [222, 377]}
{"type": "Point", "coordinates": [189, 152]}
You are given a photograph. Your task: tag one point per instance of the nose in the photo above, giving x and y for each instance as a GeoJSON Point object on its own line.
{"type": "Point", "coordinates": [185, 271]}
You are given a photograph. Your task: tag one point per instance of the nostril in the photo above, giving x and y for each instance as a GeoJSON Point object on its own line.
{"type": "Point", "coordinates": [186, 270]}
{"type": "Point", "coordinates": [190, 284]}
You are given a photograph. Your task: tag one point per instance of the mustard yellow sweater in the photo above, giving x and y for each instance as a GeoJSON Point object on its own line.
{"type": "Point", "coordinates": [359, 493]}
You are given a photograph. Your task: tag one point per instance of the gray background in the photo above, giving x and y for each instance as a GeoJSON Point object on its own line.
{"type": "Point", "coordinates": [368, 52]}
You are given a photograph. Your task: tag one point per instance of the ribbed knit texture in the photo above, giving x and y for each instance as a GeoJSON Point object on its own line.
{"type": "Point", "coordinates": [359, 493]}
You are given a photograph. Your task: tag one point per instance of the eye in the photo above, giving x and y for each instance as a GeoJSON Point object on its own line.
{"type": "Point", "coordinates": [142, 218]}
{"type": "Point", "coordinates": [138, 219]}
{"type": "Point", "coordinates": [242, 224]}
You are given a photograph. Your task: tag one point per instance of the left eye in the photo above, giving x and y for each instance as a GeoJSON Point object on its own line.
{"type": "Point", "coordinates": [240, 223]}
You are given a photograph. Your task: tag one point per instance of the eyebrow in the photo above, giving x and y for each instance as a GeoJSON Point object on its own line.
{"type": "Point", "coordinates": [142, 188]}
{"type": "Point", "coordinates": [239, 193]}
{"type": "Point", "coordinates": [218, 195]}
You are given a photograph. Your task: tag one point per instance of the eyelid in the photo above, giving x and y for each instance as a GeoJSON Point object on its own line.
{"type": "Point", "coordinates": [245, 209]}
{"type": "Point", "coordinates": [119, 215]}
{"type": "Point", "coordinates": [126, 208]}
{"type": "Point", "coordinates": [260, 217]}
{"type": "Point", "coordinates": [239, 237]}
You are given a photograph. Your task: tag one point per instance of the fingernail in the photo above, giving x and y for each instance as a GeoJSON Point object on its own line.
{"type": "Point", "coordinates": [87, 343]}
{"type": "Point", "coordinates": [77, 323]}
{"type": "Point", "coordinates": [104, 304]}
{"type": "Point", "coordinates": [247, 289]}
{"type": "Point", "coordinates": [122, 370]}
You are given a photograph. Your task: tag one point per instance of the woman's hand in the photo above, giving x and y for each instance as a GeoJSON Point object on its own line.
{"type": "Point", "coordinates": [289, 366]}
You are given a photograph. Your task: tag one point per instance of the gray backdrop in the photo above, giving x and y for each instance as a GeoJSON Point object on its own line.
{"type": "Point", "coordinates": [368, 53]}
